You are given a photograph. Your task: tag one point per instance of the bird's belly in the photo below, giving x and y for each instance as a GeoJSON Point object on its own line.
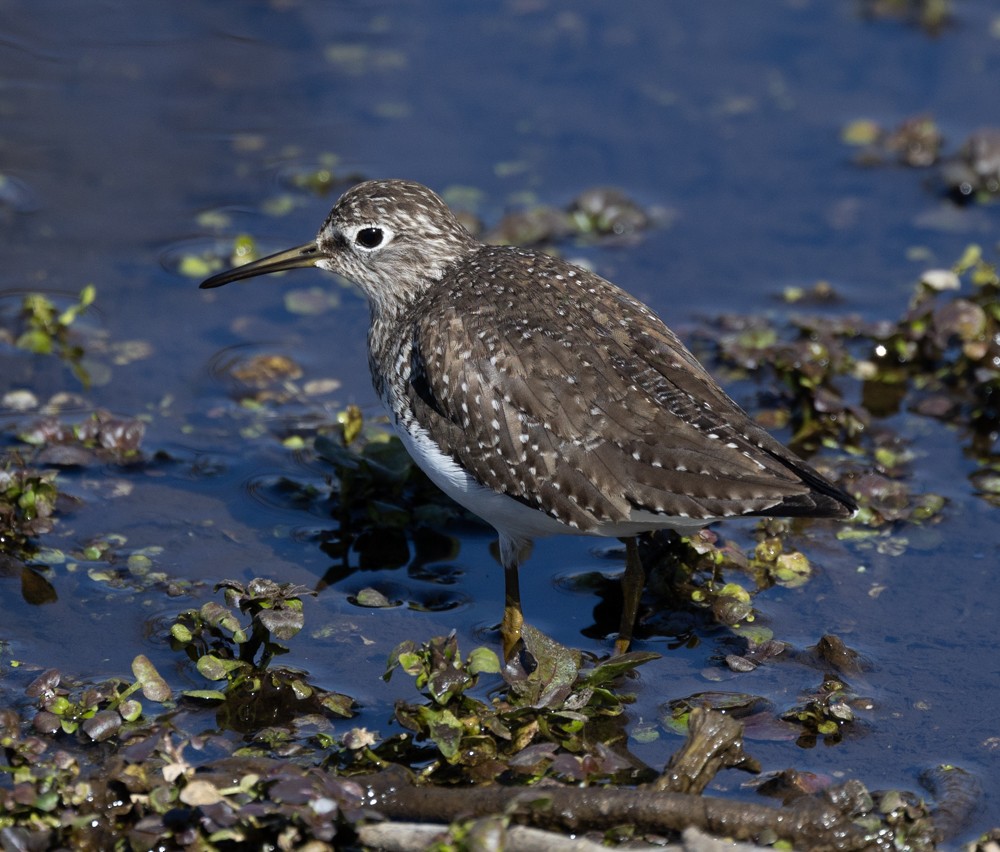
{"type": "Point", "coordinates": [512, 517]}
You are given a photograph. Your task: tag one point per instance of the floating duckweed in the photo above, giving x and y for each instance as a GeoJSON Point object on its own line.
{"type": "Point", "coordinates": [196, 266]}
{"type": "Point", "coordinates": [768, 550]}
{"type": "Point", "coordinates": [792, 569]}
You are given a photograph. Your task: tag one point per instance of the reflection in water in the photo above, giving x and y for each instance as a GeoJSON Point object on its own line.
{"type": "Point", "coordinates": [35, 588]}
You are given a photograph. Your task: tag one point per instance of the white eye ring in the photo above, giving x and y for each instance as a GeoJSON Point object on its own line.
{"type": "Point", "coordinates": [369, 238]}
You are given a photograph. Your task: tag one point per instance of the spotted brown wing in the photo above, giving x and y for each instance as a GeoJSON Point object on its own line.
{"type": "Point", "coordinates": [551, 385]}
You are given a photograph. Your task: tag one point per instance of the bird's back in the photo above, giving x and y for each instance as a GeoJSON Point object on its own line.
{"type": "Point", "coordinates": [555, 387]}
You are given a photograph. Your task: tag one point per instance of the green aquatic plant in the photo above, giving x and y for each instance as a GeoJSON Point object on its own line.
{"type": "Point", "coordinates": [97, 711]}
{"type": "Point", "coordinates": [550, 721]}
{"type": "Point", "coordinates": [235, 653]}
{"type": "Point", "coordinates": [46, 329]}
{"type": "Point", "coordinates": [27, 502]}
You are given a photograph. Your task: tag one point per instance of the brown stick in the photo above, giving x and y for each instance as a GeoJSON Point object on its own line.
{"type": "Point", "coordinates": [714, 741]}
{"type": "Point", "coordinates": [807, 824]}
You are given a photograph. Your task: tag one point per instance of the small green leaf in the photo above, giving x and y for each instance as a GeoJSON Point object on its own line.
{"type": "Point", "coordinates": [216, 668]}
{"type": "Point", "coordinates": [341, 705]}
{"type": "Point", "coordinates": [374, 599]}
{"type": "Point", "coordinates": [615, 667]}
{"type": "Point", "coordinates": [154, 687]}
{"type": "Point", "coordinates": [283, 623]}
{"type": "Point", "coordinates": [204, 694]}
{"type": "Point", "coordinates": [35, 341]}
{"type": "Point", "coordinates": [483, 660]}
{"type": "Point", "coordinates": [130, 710]}
{"type": "Point", "coordinates": [444, 729]}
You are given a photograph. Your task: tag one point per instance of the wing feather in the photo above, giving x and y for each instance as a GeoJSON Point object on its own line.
{"type": "Point", "coordinates": [590, 429]}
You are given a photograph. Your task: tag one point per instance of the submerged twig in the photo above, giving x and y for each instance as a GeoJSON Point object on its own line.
{"type": "Point", "coordinates": [714, 742]}
{"type": "Point", "coordinates": [809, 823]}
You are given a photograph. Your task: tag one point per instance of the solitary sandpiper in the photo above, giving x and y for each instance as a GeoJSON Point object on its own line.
{"type": "Point", "coordinates": [540, 396]}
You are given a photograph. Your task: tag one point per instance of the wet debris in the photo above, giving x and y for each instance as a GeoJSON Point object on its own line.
{"type": "Point", "coordinates": [957, 793]}
{"type": "Point", "coordinates": [600, 213]}
{"type": "Point", "coordinates": [821, 822]}
{"type": "Point", "coordinates": [260, 371]}
{"type": "Point", "coordinates": [263, 378]}
{"type": "Point", "coordinates": [606, 211]}
{"type": "Point", "coordinates": [905, 817]}
{"type": "Point", "coordinates": [756, 653]}
{"type": "Point", "coordinates": [988, 842]}
{"type": "Point", "coordinates": [828, 712]}
{"type": "Point", "coordinates": [88, 765]}
{"type": "Point", "coordinates": [714, 742]}
{"type": "Point", "coordinates": [932, 16]}
{"type": "Point", "coordinates": [28, 499]}
{"type": "Point", "coordinates": [831, 652]}
{"type": "Point", "coordinates": [970, 174]}
{"type": "Point", "coordinates": [791, 784]}
{"type": "Point", "coordinates": [532, 227]}
{"type": "Point", "coordinates": [916, 142]}
{"type": "Point", "coordinates": [101, 438]}
{"type": "Point", "coordinates": [321, 177]}
{"type": "Point", "coordinates": [973, 174]}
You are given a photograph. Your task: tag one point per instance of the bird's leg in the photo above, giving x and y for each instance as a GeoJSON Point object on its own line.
{"type": "Point", "coordinates": [513, 618]}
{"type": "Point", "coordinates": [511, 551]}
{"type": "Point", "coordinates": [633, 582]}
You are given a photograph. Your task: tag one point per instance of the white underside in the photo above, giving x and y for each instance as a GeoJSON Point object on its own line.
{"type": "Point", "coordinates": [510, 517]}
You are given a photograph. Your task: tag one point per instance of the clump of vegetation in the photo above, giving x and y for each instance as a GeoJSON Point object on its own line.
{"type": "Point", "coordinates": [973, 174]}
{"type": "Point", "coordinates": [27, 502]}
{"type": "Point", "coordinates": [100, 438]}
{"type": "Point", "coordinates": [916, 142]}
{"type": "Point", "coordinates": [600, 213]}
{"type": "Point", "coordinates": [551, 721]}
{"type": "Point", "coordinates": [970, 174]}
{"type": "Point", "coordinates": [940, 359]}
{"type": "Point", "coordinates": [29, 495]}
{"type": "Point", "coordinates": [46, 330]}
{"type": "Point", "coordinates": [236, 656]}
{"type": "Point", "coordinates": [97, 711]}
{"type": "Point", "coordinates": [93, 767]}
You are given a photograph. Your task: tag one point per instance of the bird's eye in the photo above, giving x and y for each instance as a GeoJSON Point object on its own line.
{"type": "Point", "coordinates": [369, 238]}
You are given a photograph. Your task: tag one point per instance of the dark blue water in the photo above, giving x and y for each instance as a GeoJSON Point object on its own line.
{"type": "Point", "coordinates": [124, 123]}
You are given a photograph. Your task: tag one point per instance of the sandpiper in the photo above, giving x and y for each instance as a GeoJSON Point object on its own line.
{"type": "Point", "coordinates": [540, 396]}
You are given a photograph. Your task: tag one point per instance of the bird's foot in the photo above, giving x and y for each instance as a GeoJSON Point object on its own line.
{"type": "Point", "coordinates": [622, 644]}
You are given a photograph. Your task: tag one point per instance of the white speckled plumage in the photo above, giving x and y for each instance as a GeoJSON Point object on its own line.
{"type": "Point", "coordinates": [537, 394]}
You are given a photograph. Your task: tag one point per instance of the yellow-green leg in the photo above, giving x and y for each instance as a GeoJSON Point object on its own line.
{"type": "Point", "coordinates": [513, 618]}
{"type": "Point", "coordinates": [512, 552]}
{"type": "Point", "coordinates": [633, 582]}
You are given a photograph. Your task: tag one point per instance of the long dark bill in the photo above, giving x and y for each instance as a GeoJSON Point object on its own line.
{"type": "Point", "coordinates": [295, 258]}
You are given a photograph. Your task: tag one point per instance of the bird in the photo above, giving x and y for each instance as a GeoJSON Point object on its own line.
{"type": "Point", "coordinates": [540, 396]}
